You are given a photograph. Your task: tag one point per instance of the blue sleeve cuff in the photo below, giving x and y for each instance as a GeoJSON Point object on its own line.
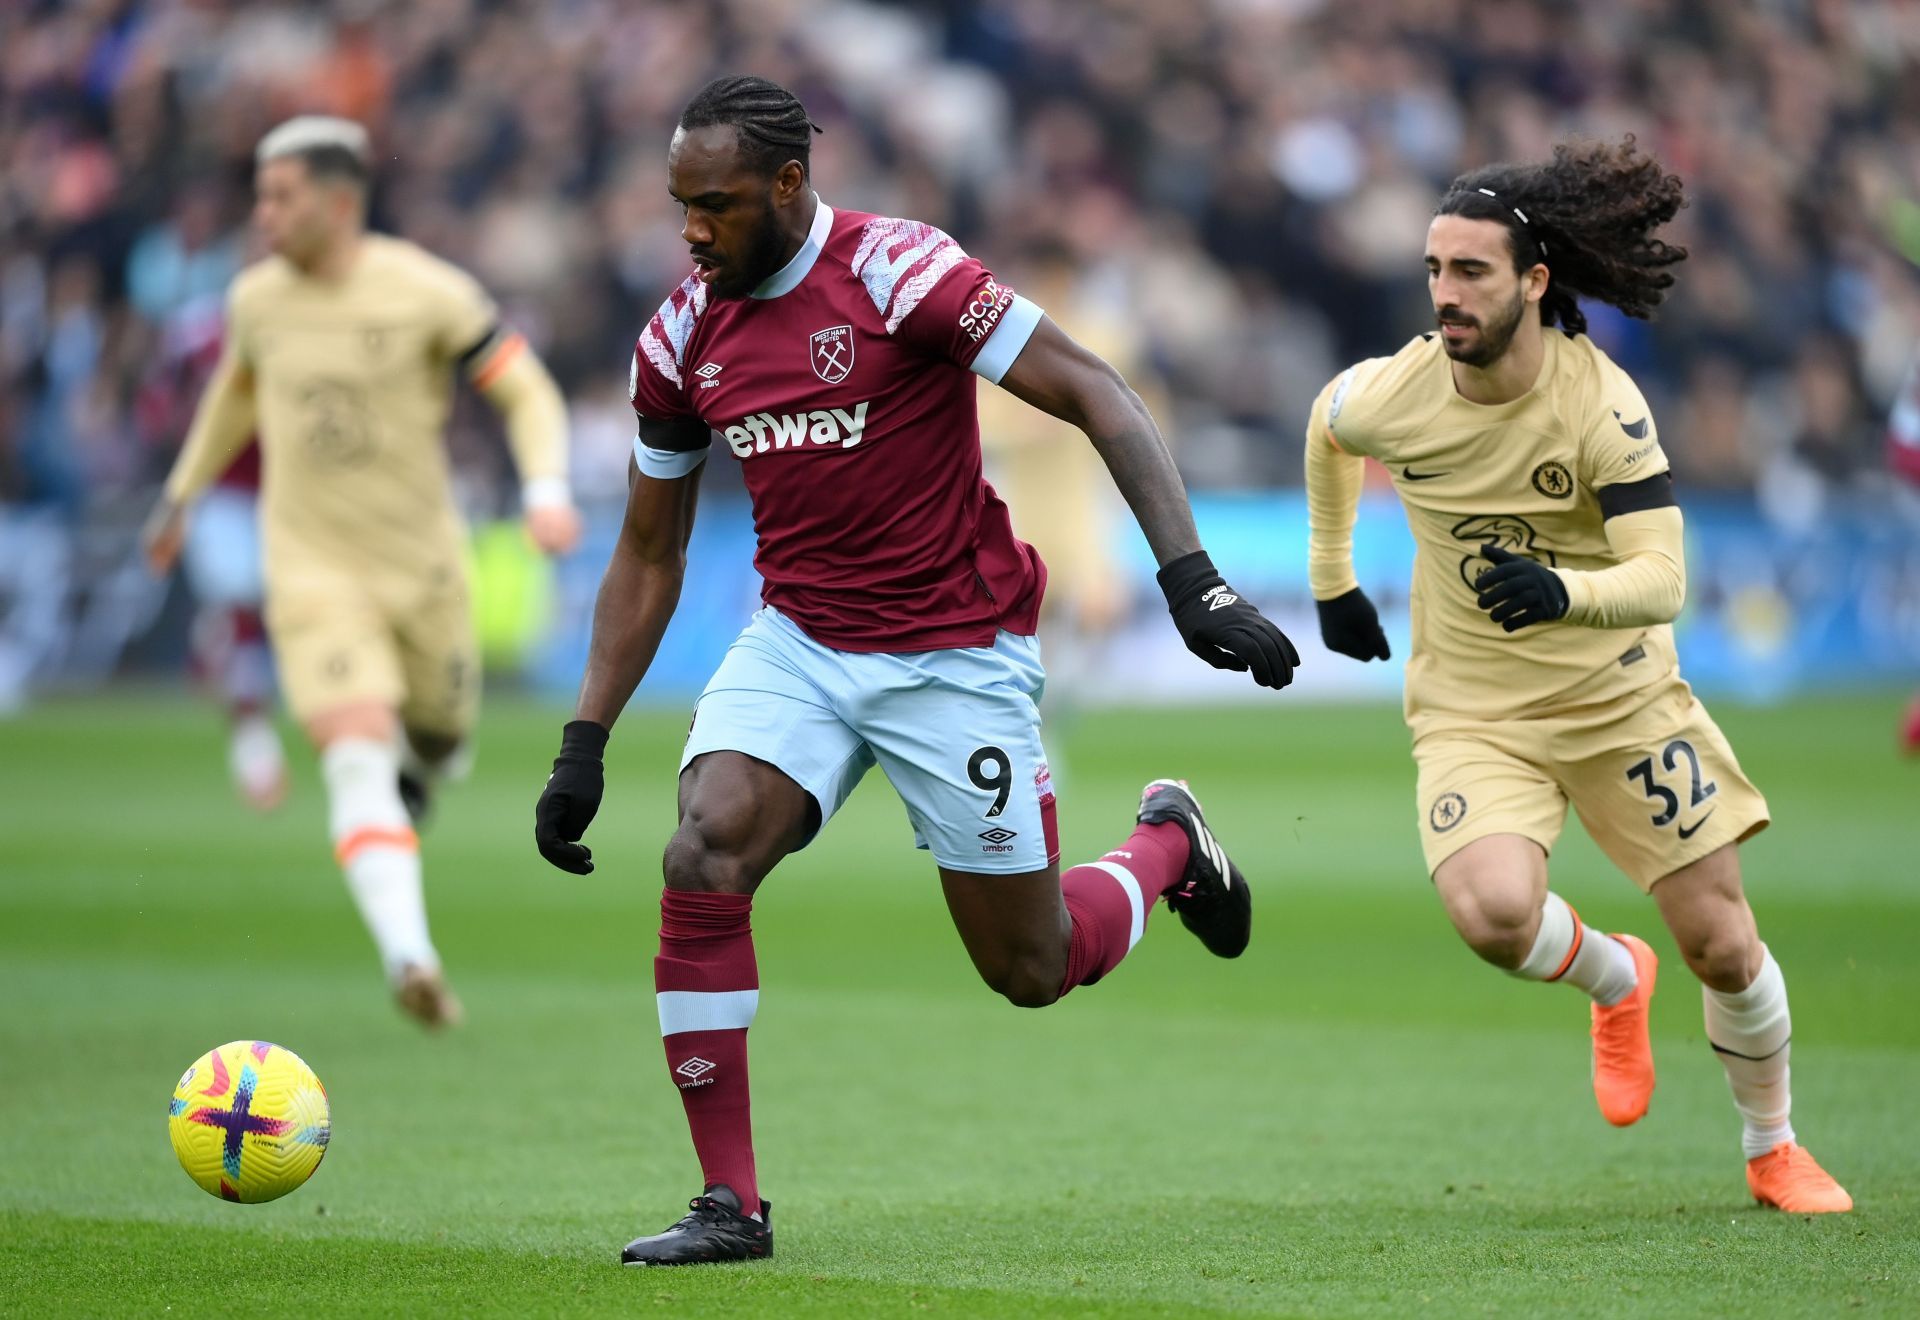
{"type": "Point", "coordinates": [1007, 339]}
{"type": "Point", "coordinates": [667, 464]}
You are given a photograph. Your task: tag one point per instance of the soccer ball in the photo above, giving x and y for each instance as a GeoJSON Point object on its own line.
{"type": "Point", "coordinates": [249, 1121]}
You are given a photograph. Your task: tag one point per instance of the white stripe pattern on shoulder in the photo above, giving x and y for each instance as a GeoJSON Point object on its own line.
{"type": "Point", "coordinates": [900, 261]}
{"type": "Point", "coordinates": [664, 341]}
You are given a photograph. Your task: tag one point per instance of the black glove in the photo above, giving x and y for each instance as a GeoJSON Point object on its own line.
{"type": "Point", "coordinates": [1350, 625]}
{"type": "Point", "coordinates": [571, 797]}
{"type": "Point", "coordinates": [1220, 627]}
{"type": "Point", "coordinates": [1518, 592]}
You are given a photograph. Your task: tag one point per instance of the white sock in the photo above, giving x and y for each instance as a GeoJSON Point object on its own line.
{"type": "Point", "coordinates": [1752, 1032]}
{"type": "Point", "coordinates": [376, 847]}
{"type": "Point", "coordinates": [1570, 951]}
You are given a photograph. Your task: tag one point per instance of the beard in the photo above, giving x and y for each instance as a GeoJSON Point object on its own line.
{"type": "Point", "coordinates": [1491, 344]}
{"type": "Point", "coordinates": [761, 259]}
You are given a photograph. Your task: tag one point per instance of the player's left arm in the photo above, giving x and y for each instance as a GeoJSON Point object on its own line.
{"type": "Point", "coordinates": [509, 375]}
{"type": "Point", "coordinates": [503, 368]}
{"type": "Point", "coordinates": [1621, 462]}
{"type": "Point", "coordinates": [1649, 583]}
{"type": "Point", "coordinates": [1061, 377]}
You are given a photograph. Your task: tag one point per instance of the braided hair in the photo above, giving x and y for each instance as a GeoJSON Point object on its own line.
{"type": "Point", "coordinates": [1588, 215]}
{"type": "Point", "coordinates": [772, 124]}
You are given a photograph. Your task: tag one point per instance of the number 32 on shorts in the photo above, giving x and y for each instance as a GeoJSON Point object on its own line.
{"type": "Point", "coordinates": [1698, 792]}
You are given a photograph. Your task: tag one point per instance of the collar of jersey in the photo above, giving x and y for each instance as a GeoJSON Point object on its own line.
{"type": "Point", "coordinates": [788, 277]}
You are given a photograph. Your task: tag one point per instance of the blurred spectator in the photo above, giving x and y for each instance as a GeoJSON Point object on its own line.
{"type": "Point", "coordinates": [1244, 183]}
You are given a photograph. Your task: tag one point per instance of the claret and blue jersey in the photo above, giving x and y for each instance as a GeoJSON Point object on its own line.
{"type": "Point", "coordinates": [844, 386]}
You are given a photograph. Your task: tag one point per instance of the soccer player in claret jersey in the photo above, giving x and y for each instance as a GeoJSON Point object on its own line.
{"type": "Point", "coordinates": [1549, 566]}
{"type": "Point", "coordinates": [341, 349]}
{"type": "Point", "coordinates": [831, 353]}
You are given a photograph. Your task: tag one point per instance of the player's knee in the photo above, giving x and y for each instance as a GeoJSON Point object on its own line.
{"type": "Point", "coordinates": [1724, 960]}
{"type": "Point", "coordinates": [1499, 930]}
{"type": "Point", "coordinates": [1029, 981]}
{"type": "Point", "coordinates": [707, 855]}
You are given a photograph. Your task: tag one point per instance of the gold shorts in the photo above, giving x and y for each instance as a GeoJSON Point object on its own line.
{"type": "Point", "coordinates": [336, 645]}
{"type": "Point", "coordinates": [1651, 776]}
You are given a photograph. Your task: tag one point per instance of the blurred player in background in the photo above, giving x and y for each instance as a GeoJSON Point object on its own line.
{"type": "Point", "coordinates": [222, 560]}
{"type": "Point", "coordinates": [341, 350]}
{"type": "Point", "coordinates": [1058, 493]}
{"type": "Point", "coordinates": [831, 351]}
{"type": "Point", "coordinates": [1549, 567]}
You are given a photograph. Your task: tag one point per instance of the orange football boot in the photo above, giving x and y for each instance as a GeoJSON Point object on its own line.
{"type": "Point", "coordinates": [1622, 1049]}
{"type": "Point", "coordinates": [1788, 1179]}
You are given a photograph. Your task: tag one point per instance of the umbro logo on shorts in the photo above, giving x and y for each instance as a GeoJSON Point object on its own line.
{"type": "Point", "coordinates": [998, 839]}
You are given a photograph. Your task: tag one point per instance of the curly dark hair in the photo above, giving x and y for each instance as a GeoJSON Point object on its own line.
{"type": "Point", "coordinates": [1588, 215]}
{"type": "Point", "coordinates": [772, 124]}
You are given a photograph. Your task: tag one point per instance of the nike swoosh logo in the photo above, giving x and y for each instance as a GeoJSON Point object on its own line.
{"type": "Point", "coordinates": [1411, 475]}
{"type": "Point", "coordinates": [1635, 430]}
{"type": "Point", "coordinates": [1687, 832]}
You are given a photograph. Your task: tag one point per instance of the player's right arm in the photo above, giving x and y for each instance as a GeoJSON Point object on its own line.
{"type": "Point", "coordinates": [641, 587]}
{"type": "Point", "coordinates": [222, 425]}
{"type": "Point", "coordinates": [637, 598]}
{"type": "Point", "coordinates": [1349, 624]}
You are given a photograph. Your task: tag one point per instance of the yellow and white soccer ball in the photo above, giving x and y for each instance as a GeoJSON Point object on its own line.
{"type": "Point", "coordinates": [249, 1121]}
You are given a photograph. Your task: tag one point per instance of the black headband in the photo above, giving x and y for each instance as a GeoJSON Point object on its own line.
{"type": "Point", "coordinates": [1523, 218]}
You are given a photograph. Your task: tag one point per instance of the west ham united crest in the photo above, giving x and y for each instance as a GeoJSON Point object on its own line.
{"type": "Point", "coordinates": [832, 353]}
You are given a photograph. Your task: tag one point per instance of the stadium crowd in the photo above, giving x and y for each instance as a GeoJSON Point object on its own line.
{"type": "Point", "coordinates": [1239, 188]}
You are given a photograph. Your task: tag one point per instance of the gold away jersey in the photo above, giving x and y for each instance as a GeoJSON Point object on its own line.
{"type": "Point", "coordinates": [1522, 475]}
{"type": "Point", "coordinates": [352, 383]}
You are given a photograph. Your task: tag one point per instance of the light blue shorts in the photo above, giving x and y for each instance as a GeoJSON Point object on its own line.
{"type": "Point", "coordinates": [956, 731]}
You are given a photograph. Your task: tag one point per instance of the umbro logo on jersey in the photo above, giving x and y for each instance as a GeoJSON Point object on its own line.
{"type": "Point", "coordinates": [1218, 598]}
{"type": "Point", "coordinates": [1635, 430]}
{"type": "Point", "coordinates": [825, 426]}
{"type": "Point", "coordinates": [707, 374]}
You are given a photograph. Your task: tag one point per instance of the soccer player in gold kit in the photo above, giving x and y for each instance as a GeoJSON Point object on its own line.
{"type": "Point", "coordinates": [341, 350]}
{"type": "Point", "coordinates": [1549, 567]}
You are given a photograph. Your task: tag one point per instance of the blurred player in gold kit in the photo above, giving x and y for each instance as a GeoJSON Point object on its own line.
{"type": "Point", "coordinates": [341, 349]}
{"type": "Point", "coordinates": [1548, 570]}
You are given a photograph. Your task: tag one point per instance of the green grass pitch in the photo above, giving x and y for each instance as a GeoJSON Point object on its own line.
{"type": "Point", "coordinates": [1357, 1118]}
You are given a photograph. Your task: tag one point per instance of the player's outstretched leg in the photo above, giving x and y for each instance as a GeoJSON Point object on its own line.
{"type": "Point", "coordinates": [1749, 1026]}
{"type": "Point", "coordinates": [1035, 936]}
{"type": "Point", "coordinates": [1495, 891]}
{"type": "Point", "coordinates": [1211, 896]}
{"type": "Point", "coordinates": [380, 855]}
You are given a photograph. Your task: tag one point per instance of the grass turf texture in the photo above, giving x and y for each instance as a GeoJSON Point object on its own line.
{"type": "Point", "coordinates": [1355, 1118]}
